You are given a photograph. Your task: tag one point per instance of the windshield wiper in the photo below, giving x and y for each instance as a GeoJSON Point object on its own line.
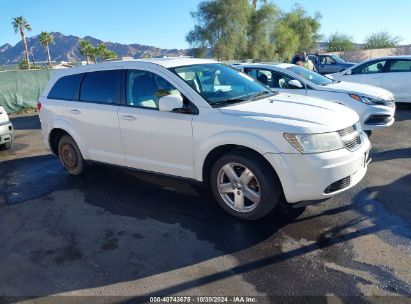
{"type": "Point", "coordinates": [260, 94]}
{"type": "Point", "coordinates": [229, 101]}
{"type": "Point", "coordinates": [242, 98]}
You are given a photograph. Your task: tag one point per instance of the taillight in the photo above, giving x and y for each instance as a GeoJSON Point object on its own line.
{"type": "Point", "coordinates": [38, 106]}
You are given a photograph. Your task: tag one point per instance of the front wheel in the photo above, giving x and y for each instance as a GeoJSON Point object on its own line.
{"type": "Point", "coordinates": [6, 146]}
{"type": "Point", "coordinates": [244, 186]}
{"type": "Point", "coordinates": [70, 156]}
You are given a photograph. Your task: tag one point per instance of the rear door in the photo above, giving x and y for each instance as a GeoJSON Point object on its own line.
{"type": "Point", "coordinates": [371, 73]}
{"type": "Point", "coordinates": [94, 115]}
{"type": "Point", "coordinates": [397, 79]}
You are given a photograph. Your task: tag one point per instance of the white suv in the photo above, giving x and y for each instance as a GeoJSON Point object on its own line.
{"type": "Point", "coordinates": [205, 121]}
{"type": "Point", "coordinates": [6, 130]}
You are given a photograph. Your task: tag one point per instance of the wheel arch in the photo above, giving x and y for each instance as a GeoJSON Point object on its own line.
{"type": "Point", "coordinates": [58, 130]}
{"type": "Point", "coordinates": [221, 150]}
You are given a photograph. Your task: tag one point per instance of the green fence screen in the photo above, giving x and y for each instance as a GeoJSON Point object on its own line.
{"type": "Point", "coordinates": [22, 89]}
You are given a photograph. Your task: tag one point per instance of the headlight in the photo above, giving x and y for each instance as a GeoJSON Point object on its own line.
{"type": "Point", "coordinates": [368, 100]}
{"type": "Point", "coordinates": [315, 143]}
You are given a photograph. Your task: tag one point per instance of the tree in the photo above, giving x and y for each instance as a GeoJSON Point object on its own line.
{"type": "Point", "coordinates": [86, 50]}
{"type": "Point", "coordinates": [381, 40]}
{"type": "Point", "coordinates": [296, 30]}
{"type": "Point", "coordinates": [261, 27]}
{"type": "Point", "coordinates": [340, 42]}
{"type": "Point", "coordinates": [23, 64]}
{"type": "Point", "coordinates": [92, 53]}
{"type": "Point", "coordinates": [46, 39]}
{"type": "Point", "coordinates": [20, 25]}
{"type": "Point", "coordinates": [222, 26]}
{"type": "Point", "coordinates": [104, 53]}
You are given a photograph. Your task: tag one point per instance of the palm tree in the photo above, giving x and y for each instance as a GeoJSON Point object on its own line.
{"type": "Point", "coordinates": [104, 53]}
{"type": "Point", "coordinates": [86, 49]}
{"type": "Point", "coordinates": [20, 25]}
{"type": "Point", "coordinates": [46, 39]}
{"type": "Point", "coordinates": [94, 53]}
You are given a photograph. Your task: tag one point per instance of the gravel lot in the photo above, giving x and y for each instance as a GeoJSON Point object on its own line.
{"type": "Point", "coordinates": [115, 232]}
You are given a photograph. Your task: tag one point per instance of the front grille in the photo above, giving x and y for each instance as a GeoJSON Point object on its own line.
{"type": "Point", "coordinates": [378, 119]}
{"type": "Point", "coordinates": [352, 144]}
{"type": "Point", "coordinates": [346, 131]}
{"type": "Point", "coordinates": [351, 137]}
{"type": "Point", "coordinates": [338, 185]}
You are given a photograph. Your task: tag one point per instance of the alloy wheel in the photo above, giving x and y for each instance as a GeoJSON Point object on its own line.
{"type": "Point", "coordinates": [238, 187]}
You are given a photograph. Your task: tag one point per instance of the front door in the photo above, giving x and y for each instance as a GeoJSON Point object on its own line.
{"type": "Point", "coordinates": [275, 80]}
{"type": "Point", "coordinates": [154, 140]}
{"type": "Point", "coordinates": [370, 73]}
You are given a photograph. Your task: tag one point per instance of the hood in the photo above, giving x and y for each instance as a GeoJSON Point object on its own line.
{"type": "Point", "coordinates": [305, 113]}
{"type": "Point", "coordinates": [357, 88]}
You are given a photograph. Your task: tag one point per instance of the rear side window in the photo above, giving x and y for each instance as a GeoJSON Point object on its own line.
{"type": "Point", "coordinates": [101, 87]}
{"type": "Point", "coordinates": [66, 87]}
{"type": "Point", "coordinates": [400, 66]}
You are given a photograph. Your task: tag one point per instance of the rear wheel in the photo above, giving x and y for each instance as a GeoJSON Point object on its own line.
{"type": "Point", "coordinates": [70, 156]}
{"type": "Point", "coordinates": [244, 186]}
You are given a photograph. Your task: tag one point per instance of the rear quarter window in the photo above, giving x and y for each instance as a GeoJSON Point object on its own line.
{"type": "Point", "coordinates": [66, 87]}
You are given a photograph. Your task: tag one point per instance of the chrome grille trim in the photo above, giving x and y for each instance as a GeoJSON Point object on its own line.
{"type": "Point", "coordinates": [351, 137]}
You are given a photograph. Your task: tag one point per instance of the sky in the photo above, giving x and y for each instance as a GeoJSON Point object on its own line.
{"type": "Point", "coordinates": [164, 23]}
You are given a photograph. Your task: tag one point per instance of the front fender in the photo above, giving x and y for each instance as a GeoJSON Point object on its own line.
{"type": "Point", "coordinates": [248, 140]}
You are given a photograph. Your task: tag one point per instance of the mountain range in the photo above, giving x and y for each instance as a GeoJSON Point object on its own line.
{"type": "Point", "coordinates": [66, 48]}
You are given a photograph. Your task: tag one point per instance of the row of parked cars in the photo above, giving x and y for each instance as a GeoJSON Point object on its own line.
{"type": "Point", "coordinates": [245, 134]}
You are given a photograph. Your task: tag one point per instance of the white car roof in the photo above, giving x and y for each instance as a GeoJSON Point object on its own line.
{"type": "Point", "coordinates": [266, 65]}
{"type": "Point", "coordinates": [169, 62]}
{"type": "Point", "coordinates": [177, 61]}
{"type": "Point", "coordinates": [393, 57]}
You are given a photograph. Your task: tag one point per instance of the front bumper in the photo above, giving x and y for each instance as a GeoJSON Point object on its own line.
{"type": "Point", "coordinates": [306, 177]}
{"type": "Point", "coordinates": [378, 117]}
{"type": "Point", "coordinates": [6, 132]}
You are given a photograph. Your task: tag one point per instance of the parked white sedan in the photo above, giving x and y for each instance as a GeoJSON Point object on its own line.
{"type": "Point", "coordinates": [392, 73]}
{"type": "Point", "coordinates": [375, 106]}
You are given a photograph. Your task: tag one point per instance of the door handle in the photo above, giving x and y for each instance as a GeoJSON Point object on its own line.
{"type": "Point", "coordinates": [75, 111]}
{"type": "Point", "coordinates": [128, 117]}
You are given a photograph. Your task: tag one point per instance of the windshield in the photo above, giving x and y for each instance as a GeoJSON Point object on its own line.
{"type": "Point", "coordinates": [311, 76]}
{"type": "Point", "coordinates": [220, 85]}
{"type": "Point", "coordinates": [338, 59]}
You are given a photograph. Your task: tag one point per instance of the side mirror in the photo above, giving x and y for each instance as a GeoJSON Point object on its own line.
{"type": "Point", "coordinates": [170, 103]}
{"type": "Point", "coordinates": [295, 84]}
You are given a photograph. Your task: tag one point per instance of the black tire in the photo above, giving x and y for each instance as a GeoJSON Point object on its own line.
{"type": "Point", "coordinates": [369, 133]}
{"type": "Point", "coordinates": [70, 156]}
{"type": "Point", "coordinates": [6, 146]}
{"type": "Point", "coordinates": [264, 182]}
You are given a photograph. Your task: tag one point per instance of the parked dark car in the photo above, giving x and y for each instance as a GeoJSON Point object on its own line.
{"type": "Point", "coordinates": [329, 63]}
